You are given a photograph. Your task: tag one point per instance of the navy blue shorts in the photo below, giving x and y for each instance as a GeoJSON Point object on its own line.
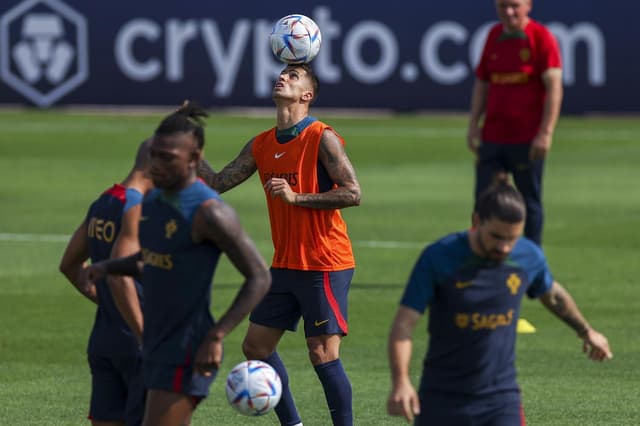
{"type": "Point", "coordinates": [117, 390]}
{"type": "Point", "coordinates": [503, 409]}
{"type": "Point", "coordinates": [177, 379]}
{"type": "Point", "coordinates": [320, 298]}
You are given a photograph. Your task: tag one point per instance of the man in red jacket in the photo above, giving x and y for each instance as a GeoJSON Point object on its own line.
{"type": "Point", "coordinates": [518, 92]}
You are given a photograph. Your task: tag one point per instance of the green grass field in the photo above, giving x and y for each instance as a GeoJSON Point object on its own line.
{"type": "Point", "coordinates": [416, 176]}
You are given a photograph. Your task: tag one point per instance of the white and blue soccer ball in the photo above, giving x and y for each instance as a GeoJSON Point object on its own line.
{"type": "Point", "coordinates": [295, 39]}
{"type": "Point", "coordinates": [253, 388]}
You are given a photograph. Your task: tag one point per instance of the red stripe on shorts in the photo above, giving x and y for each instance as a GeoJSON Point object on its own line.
{"type": "Point", "coordinates": [523, 421]}
{"type": "Point", "coordinates": [177, 379]}
{"type": "Point", "coordinates": [178, 376]}
{"type": "Point", "coordinates": [334, 304]}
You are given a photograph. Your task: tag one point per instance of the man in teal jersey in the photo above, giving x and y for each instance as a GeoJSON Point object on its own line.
{"type": "Point", "coordinates": [473, 283]}
{"type": "Point", "coordinates": [184, 229]}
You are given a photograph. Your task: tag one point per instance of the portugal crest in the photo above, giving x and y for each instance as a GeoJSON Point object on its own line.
{"type": "Point", "coordinates": [170, 228]}
{"type": "Point", "coordinates": [513, 282]}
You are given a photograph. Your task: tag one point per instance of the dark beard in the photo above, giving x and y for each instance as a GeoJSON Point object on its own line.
{"type": "Point", "coordinates": [487, 253]}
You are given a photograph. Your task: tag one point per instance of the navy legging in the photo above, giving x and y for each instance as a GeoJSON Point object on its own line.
{"type": "Point", "coordinates": [494, 158]}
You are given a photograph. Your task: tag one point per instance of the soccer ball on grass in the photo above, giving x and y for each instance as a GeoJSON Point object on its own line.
{"type": "Point", "coordinates": [295, 39]}
{"type": "Point", "coordinates": [253, 388]}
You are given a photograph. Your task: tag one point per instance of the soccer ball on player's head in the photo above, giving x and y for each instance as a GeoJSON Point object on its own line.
{"type": "Point", "coordinates": [295, 39]}
{"type": "Point", "coordinates": [253, 388]}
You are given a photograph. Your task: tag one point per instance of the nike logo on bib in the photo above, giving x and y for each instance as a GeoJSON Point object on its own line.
{"type": "Point", "coordinates": [278, 154]}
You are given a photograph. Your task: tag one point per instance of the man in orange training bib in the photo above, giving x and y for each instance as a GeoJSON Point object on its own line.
{"type": "Point", "coordinates": [307, 178]}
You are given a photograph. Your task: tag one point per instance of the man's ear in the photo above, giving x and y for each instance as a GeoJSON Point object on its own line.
{"type": "Point", "coordinates": [196, 156]}
{"type": "Point", "coordinates": [307, 96]}
{"type": "Point", "coordinates": [475, 220]}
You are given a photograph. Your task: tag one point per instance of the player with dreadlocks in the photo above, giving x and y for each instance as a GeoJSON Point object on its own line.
{"type": "Point", "coordinates": [184, 228]}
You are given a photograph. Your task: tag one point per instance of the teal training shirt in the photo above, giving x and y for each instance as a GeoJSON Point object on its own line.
{"type": "Point", "coordinates": [177, 277]}
{"type": "Point", "coordinates": [474, 305]}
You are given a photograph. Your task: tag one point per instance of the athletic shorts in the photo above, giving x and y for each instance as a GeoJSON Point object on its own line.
{"type": "Point", "coordinates": [320, 298]}
{"type": "Point", "coordinates": [181, 379]}
{"type": "Point", "coordinates": [438, 409]}
{"type": "Point", "coordinates": [117, 390]}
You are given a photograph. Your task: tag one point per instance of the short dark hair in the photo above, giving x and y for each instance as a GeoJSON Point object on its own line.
{"type": "Point", "coordinates": [188, 118]}
{"type": "Point", "coordinates": [501, 201]}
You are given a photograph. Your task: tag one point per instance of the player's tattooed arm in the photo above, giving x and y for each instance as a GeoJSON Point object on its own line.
{"type": "Point", "coordinates": [206, 172]}
{"type": "Point", "coordinates": [341, 172]}
{"type": "Point", "coordinates": [559, 301]}
{"type": "Point", "coordinates": [233, 174]}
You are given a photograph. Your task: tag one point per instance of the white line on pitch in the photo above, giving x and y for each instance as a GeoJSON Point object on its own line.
{"type": "Point", "coordinates": [60, 238]}
{"type": "Point", "coordinates": [389, 244]}
{"type": "Point", "coordinates": [37, 238]}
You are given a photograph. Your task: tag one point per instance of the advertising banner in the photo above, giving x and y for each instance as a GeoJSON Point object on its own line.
{"type": "Point", "coordinates": [401, 56]}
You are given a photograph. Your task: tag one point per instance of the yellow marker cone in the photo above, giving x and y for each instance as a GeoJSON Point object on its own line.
{"type": "Point", "coordinates": [525, 327]}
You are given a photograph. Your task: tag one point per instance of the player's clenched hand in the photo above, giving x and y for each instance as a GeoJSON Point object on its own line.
{"type": "Point", "coordinates": [90, 274]}
{"type": "Point", "coordinates": [473, 139]}
{"type": "Point", "coordinates": [85, 283]}
{"type": "Point", "coordinates": [94, 272]}
{"type": "Point", "coordinates": [403, 401]}
{"type": "Point", "coordinates": [208, 357]}
{"type": "Point", "coordinates": [278, 187]}
{"type": "Point", "coordinates": [540, 146]}
{"type": "Point", "coordinates": [596, 346]}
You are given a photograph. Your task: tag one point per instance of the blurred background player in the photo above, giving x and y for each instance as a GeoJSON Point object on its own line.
{"type": "Point", "coordinates": [518, 90]}
{"type": "Point", "coordinates": [307, 178]}
{"type": "Point", "coordinates": [184, 229]}
{"type": "Point", "coordinates": [473, 283]}
{"type": "Point", "coordinates": [117, 393]}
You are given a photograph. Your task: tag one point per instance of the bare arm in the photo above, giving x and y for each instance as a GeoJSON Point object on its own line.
{"type": "Point", "coordinates": [131, 265]}
{"type": "Point", "coordinates": [541, 144]}
{"type": "Point", "coordinates": [559, 301]}
{"type": "Point", "coordinates": [478, 108]}
{"type": "Point", "coordinates": [72, 263]}
{"type": "Point", "coordinates": [123, 288]}
{"type": "Point", "coordinates": [335, 160]}
{"type": "Point", "coordinates": [403, 399]}
{"type": "Point", "coordinates": [233, 174]}
{"type": "Point", "coordinates": [217, 222]}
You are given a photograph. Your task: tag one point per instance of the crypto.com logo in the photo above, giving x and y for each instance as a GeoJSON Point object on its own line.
{"type": "Point", "coordinates": [43, 50]}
